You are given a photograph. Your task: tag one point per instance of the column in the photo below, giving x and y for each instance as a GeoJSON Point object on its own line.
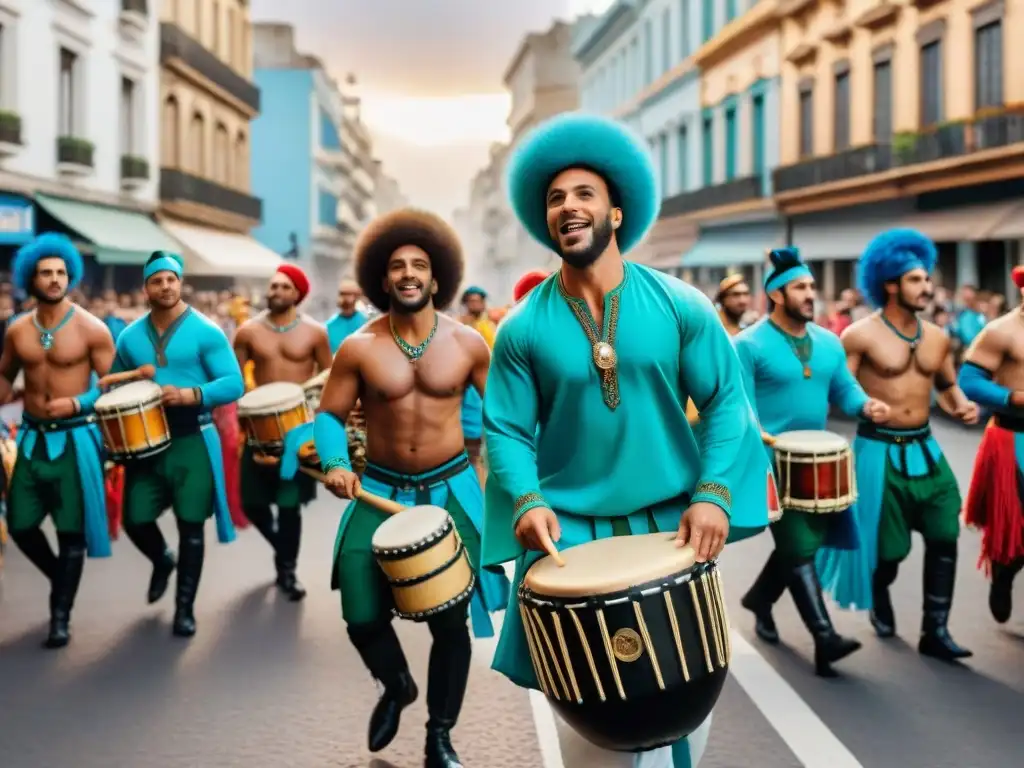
{"type": "Point", "coordinates": [966, 264]}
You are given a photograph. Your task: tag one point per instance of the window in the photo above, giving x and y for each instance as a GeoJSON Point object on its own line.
{"type": "Point", "coordinates": [841, 113]}
{"type": "Point", "coordinates": [197, 19]}
{"type": "Point", "coordinates": [882, 117]}
{"type": "Point", "coordinates": [757, 135]}
{"type": "Point", "coordinates": [222, 155]}
{"type": "Point", "coordinates": [707, 19]}
{"type": "Point", "coordinates": [730, 10]}
{"type": "Point", "coordinates": [683, 158]}
{"type": "Point", "coordinates": [684, 28]}
{"type": "Point", "coordinates": [806, 122]}
{"type": "Point", "coordinates": [634, 65]}
{"type": "Point", "coordinates": [232, 47]}
{"type": "Point", "coordinates": [648, 52]}
{"type": "Point", "coordinates": [931, 84]}
{"type": "Point", "coordinates": [68, 83]}
{"type": "Point", "coordinates": [666, 40]}
{"type": "Point", "coordinates": [129, 117]}
{"type": "Point", "coordinates": [663, 161]}
{"type": "Point", "coordinates": [709, 151]}
{"type": "Point", "coordinates": [328, 209]}
{"type": "Point", "coordinates": [988, 65]}
{"type": "Point", "coordinates": [215, 13]}
{"type": "Point", "coordinates": [730, 143]}
{"type": "Point", "coordinates": [171, 144]}
{"type": "Point", "coordinates": [197, 144]}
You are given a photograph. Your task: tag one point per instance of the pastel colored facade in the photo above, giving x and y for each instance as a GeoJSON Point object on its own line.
{"type": "Point", "coordinates": [905, 113]}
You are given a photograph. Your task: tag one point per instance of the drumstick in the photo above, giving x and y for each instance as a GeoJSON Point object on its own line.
{"type": "Point", "coordinates": [142, 372]}
{"type": "Point", "coordinates": [319, 380]}
{"type": "Point", "coordinates": [384, 505]}
{"type": "Point", "coordinates": [767, 439]}
{"type": "Point", "coordinates": [549, 547]}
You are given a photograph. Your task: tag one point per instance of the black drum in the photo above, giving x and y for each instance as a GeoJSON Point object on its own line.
{"type": "Point", "coordinates": [629, 640]}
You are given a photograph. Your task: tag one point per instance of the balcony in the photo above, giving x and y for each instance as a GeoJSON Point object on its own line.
{"type": "Point", "coordinates": [180, 187]}
{"type": "Point", "coordinates": [988, 148]}
{"type": "Point", "coordinates": [74, 156]}
{"type": "Point", "coordinates": [362, 181]}
{"type": "Point", "coordinates": [729, 193]}
{"type": "Point", "coordinates": [191, 60]}
{"type": "Point", "coordinates": [134, 172]}
{"type": "Point", "coordinates": [10, 134]}
{"type": "Point", "coordinates": [134, 15]}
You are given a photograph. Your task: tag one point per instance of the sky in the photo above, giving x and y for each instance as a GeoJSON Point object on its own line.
{"type": "Point", "coordinates": [429, 73]}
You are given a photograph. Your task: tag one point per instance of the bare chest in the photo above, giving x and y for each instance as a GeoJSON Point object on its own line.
{"type": "Point", "coordinates": [893, 357]}
{"type": "Point", "coordinates": [65, 348]}
{"type": "Point", "coordinates": [295, 346]}
{"type": "Point", "coordinates": [442, 372]}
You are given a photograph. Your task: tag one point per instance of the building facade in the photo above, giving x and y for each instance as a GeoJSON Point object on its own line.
{"type": "Point", "coordinates": [489, 229]}
{"type": "Point", "coordinates": [208, 101]}
{"type": "Point", "coordinates": [79, 135]}
{"type": "Point", "coordinates": [387, 193]}
{"type": "Point", "coordinates": [905, 114]}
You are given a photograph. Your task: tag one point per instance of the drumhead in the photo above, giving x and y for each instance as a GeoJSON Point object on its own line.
{"type": "Point", "coordinates": [610, 565]}
{"type": "Point", "coordinates": [810, 441]}
{"type": "Point", "coordinates": [134, 393]}
{"type": "Point", "coordinates": [410, 526]}
{"type": "Point", "coordinates": [272, 398]}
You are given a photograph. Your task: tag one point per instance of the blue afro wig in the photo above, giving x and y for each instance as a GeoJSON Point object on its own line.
{"type": "Point", "coordinates": [888, 257]}
{"type": "Point", "coordinates": [578, 140]}
{"type": "Point", "coordinates": [48, 245]}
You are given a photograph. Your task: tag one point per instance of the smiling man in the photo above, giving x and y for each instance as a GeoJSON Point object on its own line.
{"type": "Point", "coordinates": [585, 409]}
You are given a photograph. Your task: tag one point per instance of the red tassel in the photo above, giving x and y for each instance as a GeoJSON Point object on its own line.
{"type": "Point", "coordinates": [226, 419]}
{"type": "Point", "coordinates": [114, 488]}
{"type": "Point", "coordinates": [993, 500]}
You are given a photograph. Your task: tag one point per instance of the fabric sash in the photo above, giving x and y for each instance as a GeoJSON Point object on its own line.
{"type": "Point", "coordinates": [225, 528]}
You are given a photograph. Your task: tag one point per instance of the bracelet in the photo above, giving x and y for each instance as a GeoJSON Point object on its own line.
{"type": "Point", "coordinates": [78, 405]}
{"type": "Point", "coordinates": [197, 393]}
{"type": "Point", "coordinates": [336, 463]}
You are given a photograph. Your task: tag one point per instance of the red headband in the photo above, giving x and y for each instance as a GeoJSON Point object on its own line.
{"type": "Point", "coordinates": [528, 282]}
{"type": "Point", "coordinates": [1018, 276]}
{"type": "Point", "coordinates": [298, 278]}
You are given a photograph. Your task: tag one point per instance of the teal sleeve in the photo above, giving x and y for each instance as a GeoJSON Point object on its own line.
{"type": "Point", "coordinates": [226, 383]}
{"type": "Point", "coordinates": [331, 441]}
{"type": "Point", "coordinates": [87, 400]}
{"type": "Point", "coordinates": [122, 357]}
{"type": "Point", "coordinates": [845, 391]}
{"type": "Point", "coordinates": [747, 354]}
{"type": "Point", "coordinates": [712, 375]}
{"type": "Point", "coordinates": [510, 422]}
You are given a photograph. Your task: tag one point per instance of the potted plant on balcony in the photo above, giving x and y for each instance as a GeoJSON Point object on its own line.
{"type": "Point", "coordinates": [71, 149]}
{"type": "Point", "coordinates": [904, 148]}
{"type": "Point", "coordinates": [133, 167]}
{"type": "Point", "coordinates": [10, 127]}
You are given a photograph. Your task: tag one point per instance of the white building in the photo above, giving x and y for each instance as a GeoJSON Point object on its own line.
{"type": "Point", "coordinates": [387, 193]}
{"type": "Point", "coordinates": [79, 135]}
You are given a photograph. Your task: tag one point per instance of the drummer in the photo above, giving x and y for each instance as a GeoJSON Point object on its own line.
{"type": "Point", "coordinates": [59, 470]}
{"type": "Point", "coordinates": [284, 345]}
{"type": "Point", "coordinates": [348, 319]}
{"type": "Point", "coordinates": [198, 372]}
{"type": "Point", "coordinates": [794, 370]}
{"type": "Point", "coordinates": [903, 480]}
{"type": "Point", "coordinates": [411, 367]}
{"type": "Point", "coordinates": [614, 455]}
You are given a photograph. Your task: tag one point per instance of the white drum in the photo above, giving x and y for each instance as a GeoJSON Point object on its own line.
{"type": "Point", "coordinates": [132, 420]}
{"type": "Point", "coordinates": [815, 471]}
{"type": "Point", "coordinates": [314, 388]}
{"type": "Point", "coordinates": [270, 412]}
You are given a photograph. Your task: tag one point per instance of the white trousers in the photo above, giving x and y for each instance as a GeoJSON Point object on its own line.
{"type": "Point", "coordinates": [577, 752]}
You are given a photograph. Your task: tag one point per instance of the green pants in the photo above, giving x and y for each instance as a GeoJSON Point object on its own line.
{"type": "Point", "coordinates": [365, 592]}
{"type": "Point", "coordinates": [799, 535]}
{"type": "Point", "coordinates": [41, 486]}
{"type": "Point", "coordinates": [929, 504]}
{"type": "Point", "coordinates": [179, 477]}
{"type": "Point", "coordinates": [262, 485]}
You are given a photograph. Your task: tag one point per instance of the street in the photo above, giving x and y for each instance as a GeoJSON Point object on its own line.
{"type": "Point", "coordinates": [269, 684]}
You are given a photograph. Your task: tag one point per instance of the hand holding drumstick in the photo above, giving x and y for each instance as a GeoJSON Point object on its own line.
{"type": "Point", "coordinates": [538, 530]}
{"type": "Point", "coordinates": [142, 372]}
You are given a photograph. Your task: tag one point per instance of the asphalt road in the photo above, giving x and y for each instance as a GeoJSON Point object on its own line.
{"type": "Point", "coordinates": [269, 684]}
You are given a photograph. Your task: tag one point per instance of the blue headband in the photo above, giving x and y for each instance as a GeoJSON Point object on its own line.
{"type": "Point", "coordinates": [775, 282]}
{"type": "Point", "coordinates": [163, 261]}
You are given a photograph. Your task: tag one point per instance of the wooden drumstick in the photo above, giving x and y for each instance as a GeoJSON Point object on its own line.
{"type": "Point", "coordinates": [142, 372]}
{"type": "Point", "coordinates": [767, 439]}
{"type": "Point", "coordinates": [549, 547]}
{"type": "Point", "coordinates": [319, 380]}
{"type": "Point", "coordinates": [384, 505]}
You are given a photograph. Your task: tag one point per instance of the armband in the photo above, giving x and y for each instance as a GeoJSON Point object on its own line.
{"type": "Point", "coordinates": [331, 441]}
{"type": "Point", "coordinates": [977, 385]}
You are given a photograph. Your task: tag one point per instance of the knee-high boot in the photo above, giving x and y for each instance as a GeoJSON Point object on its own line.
{"type": "Point", "coordinates": [1000, 593]}
{"type": "Point", "coordinates": [448, 675]}
{"type": "Point", "coordinates": [939, 578]}
{"type": "Point", "coordinates": [150, 542]}
{"type": "Point", "coordinates": [882, 617]}
{"type": "Point", "coordinates": [67, 577]}
{"type": "Point", "coordinates": [289, 536]}
{"type": "Point", "coordinates": [762, 596]}
{"type": "Point", "coordinates": [262, 519]}
{"type": "Point", "coordinates": [381, 652]}
{"type": "Point", "coordinates": [829, 645]}
{"type": "Point", "coordinates": [33, 544]}
{"type": "Point", "coordinates": [191, 551]}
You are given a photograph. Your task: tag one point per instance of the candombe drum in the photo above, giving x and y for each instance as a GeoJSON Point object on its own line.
{"type": "Point", "coordinates": [629, 639]}
{"type": "Point", "coordinates": [355, 430]}
{"type": "Point", "coordinates": [132, 421]}
{"type": "Point", "coordinates": [424, 560]}
{"type": "Point", "coordinates": [815, 471]}
{"type": "Point", "coordinates": [314, 388]}
{"type": "Point", "coordinates": [270, 412]}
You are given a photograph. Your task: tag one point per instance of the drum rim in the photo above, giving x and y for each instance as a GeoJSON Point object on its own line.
{"type": "Point", "coordinates": [635, 593]}
{"type": "Point", "coordinates": [247, 410]}
{"type": "Point", "coordinates": [780, 443]}
{"type": "Point", "coordinates": [110, 410]}
{"type": "Point", "coordinates": [457, 600]}
{"type": "Point", "coordinates": [416, 547]}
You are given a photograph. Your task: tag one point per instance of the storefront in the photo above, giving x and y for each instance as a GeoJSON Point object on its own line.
{"type": "Point", "coordinates": [732, 248]}
{"type": "Point", "coordinates": [216, 258]}
{"type": "Point", "coordinates": [17, 226]}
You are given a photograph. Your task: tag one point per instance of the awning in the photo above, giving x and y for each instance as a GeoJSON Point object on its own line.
{"type": "Point", "coordinates": [836, 239]}
{"type": "Point", "coordinates": [734, 246]}
{"type": "Point", "coordinates": [118, 236]}
{"type": "Point", "coordinates": [1012, 226]}
{"type": "Point", "coordinates": [970, 223]}
{"type": "Point", "coordinates": [215, 253]}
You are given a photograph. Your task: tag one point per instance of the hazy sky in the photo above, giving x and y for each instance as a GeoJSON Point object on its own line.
{"type": "Point", "coordinates": [430, 75]}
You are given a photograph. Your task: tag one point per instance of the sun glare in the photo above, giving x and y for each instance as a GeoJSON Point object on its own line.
{"type": "Point", "coordinates": [443, 121]}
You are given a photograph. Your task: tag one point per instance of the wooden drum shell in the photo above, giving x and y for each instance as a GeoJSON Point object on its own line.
{"type": "Point", "coordinates": [816, 482]}
{"type": "Point", "coordinates": [134, 431]}
{"type": "Point", "coordinates": [265, 431]}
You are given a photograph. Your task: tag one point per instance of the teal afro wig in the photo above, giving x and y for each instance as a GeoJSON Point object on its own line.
{"type": "Point", "coordinates": [578, 140]}
{"type": "Point", "coordinates": [888, 257]}
{"type": "Point", "coordinates": [49, 245]}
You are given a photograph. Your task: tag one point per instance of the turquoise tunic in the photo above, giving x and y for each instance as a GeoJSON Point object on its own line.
{"type": "Point", "coordinates": [551, 437]}
{"type": "Point", "coordinates": [340, 328]}
{"type": "Point", "coordinates": [196, 353]}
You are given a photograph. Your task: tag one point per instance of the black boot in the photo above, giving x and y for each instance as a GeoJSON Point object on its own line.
{"type": "Point", "coordinates": [829, 646]}
{"type": "Point", "coordinates": [762, 596]}
{"type": "Point", "coordinates": [882, 617]}
{"type": "Point", "coordinates": [262, 519]}
{"type": "Point", "coordinates": [150, 542]}
{"type": "Point", "coordinates": [66, 578]}
{"type": "Point", "coordinates": [448, 674]}
{"type": "Point", "coordinates": [1000, 593]}
{"type": "Point", "coordinates": [191, 549]}
{"type": "Point", "coordinates": [34, 545]}
{"type": "Point", "coordinates": [289, 535]}
{"type": "Point", "coordinates": [939, 578]}
{"type": "Point", "coordinates": [382, 654]}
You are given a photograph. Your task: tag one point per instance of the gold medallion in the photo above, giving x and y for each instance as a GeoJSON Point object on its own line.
{"type": "Point", "coordinates": [604, 356]}
{"type": "Point", "coordinates": [627, 645]}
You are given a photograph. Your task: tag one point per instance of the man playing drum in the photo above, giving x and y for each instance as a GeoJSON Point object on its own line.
{"type": "Point", "coordinates": [411, 367]}
{"type": "Point", "coordinates": [993, 376]}
{"type": "Point", "coordinates": [794, 370]}
{"type": "Point", "coordinates": [59, 469]}
{"type": "Point", "coordinates": [903, 480]}
{"type": "Point", "coordinates": [284, 345]}
{"type": "Point", "coordinates": [602, 358]}
{"type": "Point", "coordinates": [198, 372]}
